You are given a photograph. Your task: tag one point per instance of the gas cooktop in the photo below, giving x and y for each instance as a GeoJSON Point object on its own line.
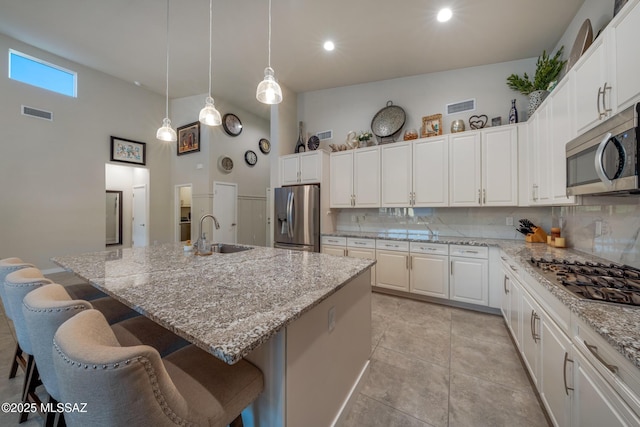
{"type": "Point", "coordinates": [611, 283]}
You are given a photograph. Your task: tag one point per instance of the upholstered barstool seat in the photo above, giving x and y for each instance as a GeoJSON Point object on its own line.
{"type": "Point", "coordinates": [126, 386]}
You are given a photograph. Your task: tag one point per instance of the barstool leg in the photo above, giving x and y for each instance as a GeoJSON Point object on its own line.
{"type": "Point", "coordinates": [18, 360]}
{"type": "Point", "coordinates": [237, 422]}
{"type": "Point", "coordinates": [31, 381]}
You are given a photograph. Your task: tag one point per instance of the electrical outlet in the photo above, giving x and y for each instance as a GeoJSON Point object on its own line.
{"type": "Point", "coordinates": [509, 220]}
{"type": "Point", "coordinates": [354, 218]}
{"type": "Point", "coordinates": [332, 319]}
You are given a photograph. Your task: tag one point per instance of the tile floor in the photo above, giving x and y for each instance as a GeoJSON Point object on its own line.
{"type": "Point", "coordinates": [431, 365]}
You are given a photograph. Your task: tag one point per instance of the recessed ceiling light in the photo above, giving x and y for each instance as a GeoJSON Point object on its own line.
{"type": "Point", "coordinates": [329, 46]}
{"type": "Point", "coordinates": [444, 14]}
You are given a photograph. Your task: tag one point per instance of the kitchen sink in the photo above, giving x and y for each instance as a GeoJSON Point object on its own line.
{"type": "Point", "coordinates": [225, 248]}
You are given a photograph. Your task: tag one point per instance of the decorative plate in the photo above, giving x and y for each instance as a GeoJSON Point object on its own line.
{"type": "Point", "coordinates": [250, 157]}
{"type": "Point", "coordinates": [225, 164]}
{"type": "Point", "coordinates": [265, 145]}
{"type": "Point", "coordinates": [582, 43]}
{"type": "Point", "coordinates": [313, 143]}
{"type": "Point", "coordinates": [388, 121]}
{"type": "Point", "coordinates": [231, 124]}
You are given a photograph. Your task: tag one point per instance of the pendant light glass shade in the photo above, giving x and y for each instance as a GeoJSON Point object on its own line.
{"type": "Point", "coordinates": [209, 115]}
{"type": "Point", "coordinates": [269, 91]}
{"type": "Point", "coordinates": [166, 132]}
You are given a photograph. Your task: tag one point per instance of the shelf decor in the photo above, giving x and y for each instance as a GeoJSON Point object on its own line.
{"type": "Point", "coordinates": [431, 125]}
{"type": "Point", "coordinates": [189, 138]}
{"type": "Point", "coordinates": [128, 151]}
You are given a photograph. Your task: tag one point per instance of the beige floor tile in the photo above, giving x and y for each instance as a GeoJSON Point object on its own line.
{"type": "Point", "coordinates": [423, 313]}
{"type": "Point", "coordinates": [480, 326]}
{"type": "Point", "coordinates": [367, 412]}
{"type": "Point", "coordinates": [383, 304]}
{"type": "Point", "coordinates": [412, 386]}
{"type": "Point", "coordinates": [429, 342]}
{"type": "Point", "coordinates": [476, 402]}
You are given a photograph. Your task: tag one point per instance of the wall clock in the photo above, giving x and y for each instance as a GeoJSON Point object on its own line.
{"type": "Point", "coordinates": [231, 124]}
{"type": "Point", "coordinates": [225, 164]}
{"type": "Point", "coordinates": [250, 157]}
{"type": "Point", "coordinates": [265, 145]}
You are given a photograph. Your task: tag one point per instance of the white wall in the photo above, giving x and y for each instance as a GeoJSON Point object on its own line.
{"type": "Point", "coordinates": [351, 108]}
{"type": "Point", "coordinates": [52, 174]}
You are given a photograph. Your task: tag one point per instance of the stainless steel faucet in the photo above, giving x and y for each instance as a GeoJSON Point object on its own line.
{"type": "Point", "coordinates": [200, 235]}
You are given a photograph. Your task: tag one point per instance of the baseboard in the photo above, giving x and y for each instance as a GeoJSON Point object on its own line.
{"type": "Point", "coordinates": [352, 396]}
{"type": "Point", "coordinates": [53, 270]}
{"type": "Point", "coordinates": [447, 302]}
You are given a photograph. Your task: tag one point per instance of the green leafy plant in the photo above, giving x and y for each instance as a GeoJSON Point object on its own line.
{"type": "Point", "coordinates": [547, 70]}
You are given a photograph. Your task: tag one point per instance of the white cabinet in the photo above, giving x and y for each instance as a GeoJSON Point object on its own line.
{"type": "Point", "coordinates": [531, 336]}
{"type": "Point", "coordinates": [626, 33]}
{"type": "Point", "coordinates": [483, 167]}
{"type": "Point", "coordinates": [303, 168]}
{"type": "Point", "coordinates": [469, 279]}
{"type": "Point", "coordinates": [539, 172]}
{"type": "Point", "coordinates": [561, 132]}
{"type": "Point", "coordinates": [429, 265]}
{"type": "Point", "coordinates": [363, 248]}
{"type": "Point", "coordinates": [355, 178]}
{"type": "Point", "coordinates": [416, 173]}
{"type": "Point", "coordinates": [392, 264]}
{"type": "Point", "coordinates": [333, 245]}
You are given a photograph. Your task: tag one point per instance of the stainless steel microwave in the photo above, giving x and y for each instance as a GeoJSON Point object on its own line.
{"type": "Point", "coordinates": [604, 160]}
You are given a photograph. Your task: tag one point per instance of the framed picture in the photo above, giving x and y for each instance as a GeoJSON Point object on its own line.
{"type": "Point", "coordinates": [189, 138]}
{"type": "Point", "coordinates": [432, 125]}
{"type": "Point", "coordinates": [128, 151]}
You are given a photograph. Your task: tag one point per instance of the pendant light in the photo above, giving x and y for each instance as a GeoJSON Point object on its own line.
{"type": "Point", "coordinates": [166, 132]}
{"type": "Point", "coordinates": [269, 91]}
{"type": "Point", "coordinates": [209, 115]}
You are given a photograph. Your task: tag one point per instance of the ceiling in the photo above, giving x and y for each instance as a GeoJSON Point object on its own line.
{"type": "Point", "coordinates": [375, 39]}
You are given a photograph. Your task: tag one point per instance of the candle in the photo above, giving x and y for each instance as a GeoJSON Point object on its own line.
{"type": "Point", "coordinates": [559, 242]}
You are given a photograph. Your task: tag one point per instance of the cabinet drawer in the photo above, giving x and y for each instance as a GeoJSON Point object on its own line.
{"type": "Point", "coordinates": [361, 243]}
{"type": "Point", "coordinates": [429, 248]}
{"type": "Point", "coordinates": [334, 240]}
{"type": "Point", "coordinates": [392, 245]}
{"type": "Point", "coordinates": [469, 251]}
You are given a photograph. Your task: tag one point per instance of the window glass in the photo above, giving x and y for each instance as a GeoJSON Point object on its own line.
{"type": "Point", "coordinates": [35, 72]}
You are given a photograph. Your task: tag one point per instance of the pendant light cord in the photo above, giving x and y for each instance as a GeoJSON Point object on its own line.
{"type": "Point", "coordinates": [269, 60]}
{"type": "Point", "coordinates": [167, 86]}
{"type": "Point", "coordinates": [210, 40]}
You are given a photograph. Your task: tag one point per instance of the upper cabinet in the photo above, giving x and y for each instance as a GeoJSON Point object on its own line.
{"type": "Point", "coordinates": [355, 178]}
{"type": "Point", "coordinates": [303, 168]}
{"type": "Point", "coordinates": [464, 171]}
{"type": "Point", "coordinates": [625, 33]}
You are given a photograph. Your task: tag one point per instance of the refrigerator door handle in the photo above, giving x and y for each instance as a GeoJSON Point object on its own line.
{"type": "Point", "coordinates": [290, 215]}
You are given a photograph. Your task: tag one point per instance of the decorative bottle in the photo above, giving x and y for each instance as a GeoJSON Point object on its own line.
{"type": "Point", "coordinates": [513, 113]}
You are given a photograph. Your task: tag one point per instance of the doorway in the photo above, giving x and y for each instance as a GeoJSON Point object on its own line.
{"type": "Point", "coordinates": [183, 203]}
{"type": "Point", "coordinates": [225, 209]}
{"type": "Point", "coordinates": [140, 235]}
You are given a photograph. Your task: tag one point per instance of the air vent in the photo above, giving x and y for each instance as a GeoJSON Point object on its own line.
{"type": "Point", "coordinates": [462, 106]}
{"type": "Point", "coordinates": [34, 112]}
{"type": "Point", "coordinates": [323, 136]}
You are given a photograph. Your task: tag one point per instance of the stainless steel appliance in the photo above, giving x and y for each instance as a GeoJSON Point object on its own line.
{"type": "Point", "coordinates": [297, 218]}
{"type": "Point", "coordinates": [604, 160]}
{"type": "Point", "coordinates": [612, 283]}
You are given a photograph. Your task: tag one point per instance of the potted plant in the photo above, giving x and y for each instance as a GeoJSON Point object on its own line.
{"type": "Point", "coordinates": [547, 71]}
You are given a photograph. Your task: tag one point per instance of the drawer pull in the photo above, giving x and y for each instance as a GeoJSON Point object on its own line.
{"type": "Point", "coordinates": [534, 335]}
{"type": "Point", "coordinates": [471, 252]}
{"type": "Point", "coordinates": [594, 350]}
{"type": "Point", "coordinates": [512, 267]}
{"type": "Point", "coordinates": [564, 372]}
{"type": "Point", "coordinates": [504, 283]}
{"type": "Point", "coordinates": [359, 243]}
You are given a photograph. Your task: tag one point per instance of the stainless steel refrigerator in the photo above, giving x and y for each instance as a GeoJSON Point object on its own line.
{"type": "Point", "coordinates": [297, 218]}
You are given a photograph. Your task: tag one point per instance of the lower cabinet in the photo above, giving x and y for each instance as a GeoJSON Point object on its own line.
{"type": "Point", "coordinates": [392, 270]}
{"type": "Point", "coordinates": [333, 245]}
{"type": "Point", "coordinates": [363, 248]}
{"type": "Point", "coordinates": [429, 265]}
{"type": "Point", "coordinates": [469, 277]}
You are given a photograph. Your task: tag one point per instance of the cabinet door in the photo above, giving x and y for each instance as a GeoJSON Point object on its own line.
{"type": "Point", "coordinates": [341, 179]}
{"type": "Point", "coordinates": [429, 275]}
{"type": "Point", "coordinates": [392, 270]}
{"type": "Point", "coordinates": [431, 172]}
{"type": "Point", "coordinates": [464, 169]}
{"type": "Point", "coordinates": [590, 76]}
{"type": "Point", "coordinates": [366, 177]}
{"type": "Point", "coordinates": [595, 402]}
{"type": "Point", "coordinates": [561, 132]}
{"type": "Point", "coordinates": [364, 254]}
{"type": "Point", "coordinates": [289, 168]}
{"type": "Point", "coordinates": [505, 304]}
{"type": "Point", "coordinates": [543, 161]}
{"type": "Point", "coordinates": [627, 61]}
{"type": "Point", "coordinates": [500, 166]}
{"type": "Point", "coordinates": [469, 280]}
{"type": "Point", "coordinates": [310, 167]}
{"type": "Point", "coordinates": [334, 250]}
{"type": "Point", "coordinates": [515, 310]}
{"type": "Point", "coordinates": [396, 175]}
{"type": "Point", "coordinates": [555, 372]}
{"type": "Point", "coordinates": [531, 347]}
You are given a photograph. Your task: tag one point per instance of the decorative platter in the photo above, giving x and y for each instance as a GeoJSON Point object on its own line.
{"type": "Point", "coordinates": [388, 121]}
{"type": "Point", "coordinates": [582, 43]}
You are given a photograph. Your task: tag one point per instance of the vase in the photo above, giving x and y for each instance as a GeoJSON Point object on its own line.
{"type": "Point", "coordinates": [513, 113]}
{"type": "Point", "coordinates": [535, 99]}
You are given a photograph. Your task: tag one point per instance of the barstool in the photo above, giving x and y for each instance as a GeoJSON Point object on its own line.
{"type": "Point", "coordinates": [129, 386]}
{"type": "Point", "coordinates": [7, 266]}
{"type": "Point", "coordinates": [49, 306]}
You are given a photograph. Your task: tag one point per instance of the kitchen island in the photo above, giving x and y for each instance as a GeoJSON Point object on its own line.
{"type": "Point", "coordinates": [303, 318]}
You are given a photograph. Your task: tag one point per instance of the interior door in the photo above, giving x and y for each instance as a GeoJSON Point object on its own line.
{"type": "Point", "coordinates": [140, 235]}
{"type": "Point", "coordinates": [225, 209]}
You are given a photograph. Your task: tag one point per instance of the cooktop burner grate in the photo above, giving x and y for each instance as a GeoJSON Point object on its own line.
{"type": "Point", "coordinates": [613, 283]}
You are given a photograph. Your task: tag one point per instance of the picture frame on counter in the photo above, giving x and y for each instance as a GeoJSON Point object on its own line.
{"type": "Point", "coordinates": [431, 126]}
{"type": "Point", "coordinates": [128, 151]}
{"type": "Point", "coordinates": [189, 138]}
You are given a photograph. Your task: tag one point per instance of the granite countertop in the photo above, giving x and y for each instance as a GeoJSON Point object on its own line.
{"type": "Point", "coordinates": [619, 325]}
{"type": "Point", "coordinates": [226, 304]}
